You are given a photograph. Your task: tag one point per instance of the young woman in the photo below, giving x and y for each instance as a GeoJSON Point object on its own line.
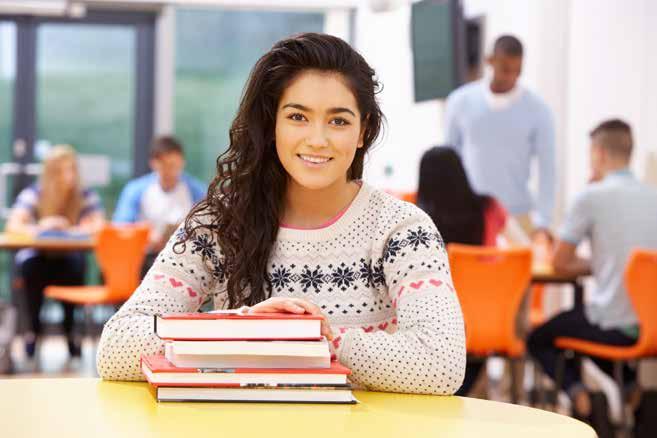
{"type": "Point", "coordinates": [55, 203]}
{"type": "Point", "coordinates": [461, 215]}
{"type": "Point", "coordinates": [288, 225]}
